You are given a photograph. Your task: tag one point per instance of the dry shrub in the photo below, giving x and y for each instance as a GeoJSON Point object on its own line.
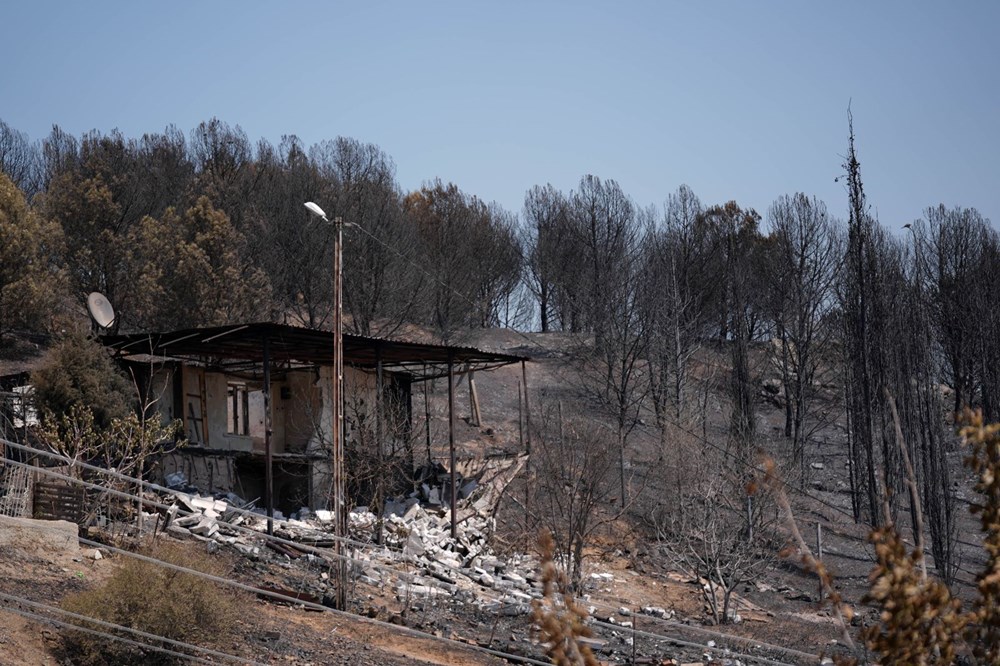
{"type": "Point", "coordinates": [158, 600]}
{"type": "Point", "coordinates": [560, 622]}
{"type": "Point", "coordinates": [984, 461]}
{"type": "Point", "coordinates": [920, 622]}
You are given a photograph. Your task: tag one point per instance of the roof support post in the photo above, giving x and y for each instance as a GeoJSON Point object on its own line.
{"type": "Point", "coordinates": [527, 443]}
{"type": "Point", "coordinates": [427, 418]}
{"type": "Point", "coordinates": [380, 471]}
{"type": "Point", "coordinates": [451, 442]}
{"type": "Point", "coordinates": [268, 461]}
{"type": "Point", "coordinates": [477, 419]}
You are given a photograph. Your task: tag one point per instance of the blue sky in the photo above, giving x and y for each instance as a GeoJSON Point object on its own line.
{"type": "Point", "coordinates": [740, 100]}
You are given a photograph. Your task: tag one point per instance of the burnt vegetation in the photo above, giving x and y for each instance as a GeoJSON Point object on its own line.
{"type": "Point", "coordinates": [678, 315]}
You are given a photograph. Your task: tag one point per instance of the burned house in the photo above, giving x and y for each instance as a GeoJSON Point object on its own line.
{"type": "Point", "coordinates": [255, 403]}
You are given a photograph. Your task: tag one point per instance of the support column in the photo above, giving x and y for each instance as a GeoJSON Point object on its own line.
{"type": "Point", "coordinates": [527, 445]}
{"type": "Point", "coordinates": [451, 443]}
{"type": "Point", "coordinates": [380, 471]}
{"type": "Point", "coordinates": [268, 462]}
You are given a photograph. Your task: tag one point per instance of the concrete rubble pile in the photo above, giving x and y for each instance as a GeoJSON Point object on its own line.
{"type": "Point", "coordinates": [462, 567]}
{"type": "Point", "coordinates": [417, 557]}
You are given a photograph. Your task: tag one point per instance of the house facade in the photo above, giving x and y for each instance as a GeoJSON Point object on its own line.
{"type": "Point", "coordinates": [255, 403]}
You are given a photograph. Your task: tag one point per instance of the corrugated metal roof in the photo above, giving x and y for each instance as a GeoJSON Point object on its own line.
{"type": "Point", "coordinates": [296, 344]}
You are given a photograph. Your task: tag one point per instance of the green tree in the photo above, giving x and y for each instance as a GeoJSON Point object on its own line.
{"type": "Point", "coordinates": [78, 374]}
{"type": "Point", "coordinates": [31, 284]}
{"type": "Point", "coordinates": [188, 270]}
{"type": "Point", "coordinates": [92, 195]}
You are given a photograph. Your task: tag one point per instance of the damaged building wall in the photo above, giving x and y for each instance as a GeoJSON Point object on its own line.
{"type": "Point", "coordinates": [209, 473]}
{"type": "Point", "coordinates": [299, 409]}
{"type": "Point", "coordinates": [225, 413]}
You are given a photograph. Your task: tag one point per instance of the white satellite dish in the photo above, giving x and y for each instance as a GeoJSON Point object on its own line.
{"type": "Point", "coordinates": [100, 310]}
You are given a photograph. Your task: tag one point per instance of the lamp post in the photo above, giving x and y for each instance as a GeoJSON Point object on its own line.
{"type": "Point", "coordinates": [339, 508]}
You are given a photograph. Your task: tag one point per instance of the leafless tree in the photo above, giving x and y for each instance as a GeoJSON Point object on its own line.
{"type": "Point", "coordinates": [294, 249]}
{"type": "Point", "coordinates": [986, 324]}
{"type": "Point", "coordinates": [382, 288]}
{"type": "Point", "coordinates": [674, 303]}
{"type": "Point", "coordinates": [719, 533]}
{"type": "Point", "coordinates": [543, 231]}
{"type": "Point", "coordinates": [20, 159]}
{"type": "Point", "coordinates": [890, 348]}
{"type": "Point", "coordinates": [606, 227]}
{"type": "Point", "coordinates": [950, 248]}
{"type": "Point", "coordinates": [738, 251]}
{"type": "Point", "coordinates": [470, 251]}
{"type": "Point", "coordinates": [864, 293]}
{"type": "Point", "coordinates": [575, 484]}
{"type": "Point", "coordinates": [805, 256]}
{"type": "Point", "coordinates": [225, 168]}
{"type": "Point", "coordinates": [379, 449]}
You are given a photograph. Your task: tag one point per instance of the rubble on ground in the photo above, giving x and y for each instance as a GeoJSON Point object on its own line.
{"type": "Point", "coordinates": [413, 531]}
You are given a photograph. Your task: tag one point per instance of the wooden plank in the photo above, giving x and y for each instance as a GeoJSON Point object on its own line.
{"type": "Point", "coordinates": [204, 406]}
{"type": "Point", "coordinates": [56, 501]}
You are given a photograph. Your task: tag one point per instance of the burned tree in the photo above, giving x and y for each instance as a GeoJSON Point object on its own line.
{"type": "Point", "coordinates": [573, 497]}
{"type": "Point", "coordinates": [675, 301]}
{"type": "Point", "coordinates": [863, 296]}
{"type": "Point", "coordinates": [805, 255]}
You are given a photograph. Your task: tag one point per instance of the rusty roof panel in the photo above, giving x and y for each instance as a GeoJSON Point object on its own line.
{"type": "Point", "coordinates": [302, 345]}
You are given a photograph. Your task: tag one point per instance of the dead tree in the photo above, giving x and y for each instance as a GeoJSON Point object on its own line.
{"type": "Point", "coordinates": [803, 269]}
{"type": "Point", "coordinates": [574, 492]}
{"type": "Point", "coordinates": [719, 534]}
{"type": "Point", "coordinates": [863, 295]}
{"type": "Point", "coordinates": [674, 303]}
{"type": "Point", "coordinates": [739, 252]}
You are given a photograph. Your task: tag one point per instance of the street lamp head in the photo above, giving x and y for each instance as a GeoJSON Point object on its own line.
{"type": "Point", "coordinates": [316, 210]}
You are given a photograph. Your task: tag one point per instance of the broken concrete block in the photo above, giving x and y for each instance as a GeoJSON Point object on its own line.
{"type": "Point", "coordinates": [30, 535]}
{"type": "Point", "coordinates": [188, 521]}
{"type": "Point", "coordinates": [207, 527]}
{"type": "Point", "coordinates": [515, 578]}
{"type": "Point", "coordinates": [656, 611]}
{"type": "Point", "coordinates": [187, 501]}
{"type": "Point", "coordinates": [443, 577]}
{"type": "Point", "coordinates": [414, 511]}
{"type": "Point", "coordinates": [202, 503]}
{"type": "Point", "coordinates": [414, 546]}
{"type": "Point", "coordinates": [467, 489]}
{"type": "Point", "coordinates": [178, 531]}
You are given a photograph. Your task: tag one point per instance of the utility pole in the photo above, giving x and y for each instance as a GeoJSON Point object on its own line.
{"type": "Point", "coordinates": [339, 508]}
{"type": "Point", "coordinates": [337, 436]}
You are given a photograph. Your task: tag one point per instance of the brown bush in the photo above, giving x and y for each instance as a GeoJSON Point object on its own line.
{"type": "Point", "coordinates": [559, 621]}
{"type": "Point", "coordinates": [158, 600]}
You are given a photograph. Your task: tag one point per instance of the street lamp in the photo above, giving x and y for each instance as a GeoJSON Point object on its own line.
{"type": "Point", "coordinates": [339, 509]}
